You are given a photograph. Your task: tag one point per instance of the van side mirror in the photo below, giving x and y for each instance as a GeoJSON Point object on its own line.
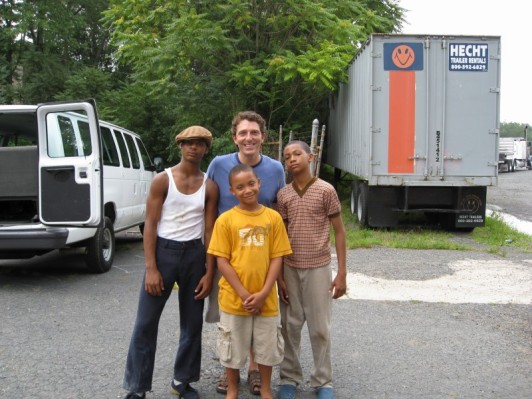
{"type": "Point", "coordinates": [156, 166]}
{"type": "Point", "coordinates": [158, 162]}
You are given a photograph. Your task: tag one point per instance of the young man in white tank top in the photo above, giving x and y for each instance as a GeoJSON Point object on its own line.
{"type": "Point", "coordinates": [180, 214]}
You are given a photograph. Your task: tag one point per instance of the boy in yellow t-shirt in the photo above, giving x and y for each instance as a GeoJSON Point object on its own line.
{"type": "Point", "coordinates": [249, 242]}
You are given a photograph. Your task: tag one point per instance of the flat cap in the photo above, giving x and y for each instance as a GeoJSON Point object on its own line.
{"type": "Point", "coordinates": [194, 133]}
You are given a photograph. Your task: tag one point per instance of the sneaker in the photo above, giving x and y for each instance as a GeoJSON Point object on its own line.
{"type": "Point", "coordinates": [286, 391]}
{"type": "Point", "coordinates": [135, 395]}
{"type": "Point", "coordinates": [325, 393]}
{"type": "Point", "coordinates": [184, 391]}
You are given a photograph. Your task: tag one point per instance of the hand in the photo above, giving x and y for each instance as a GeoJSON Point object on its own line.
{"type": "Point", "coordinates": [283, 291]}
{"type": "Point", "coordinates": [154, 282]}
{"type": "Point", "coordinates": [254, 303]}
{"type": "Point", "coordinates": [203, 288]}
{"type": "Point", "coordinates": [338, 286]}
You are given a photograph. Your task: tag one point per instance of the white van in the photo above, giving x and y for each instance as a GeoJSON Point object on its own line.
{"type": "Point", "coordinates": [68, 179]}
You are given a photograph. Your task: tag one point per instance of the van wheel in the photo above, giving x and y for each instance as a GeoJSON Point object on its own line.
{"type": "Point", "coordinates": [101, 248]}
{"type": "Point", "coordinates": [362, 204]}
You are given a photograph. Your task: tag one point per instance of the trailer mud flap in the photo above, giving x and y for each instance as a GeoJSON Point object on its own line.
{"type": "Point", "coordinates": [381, 204]}
{"type": "Point", "coordinates": [471, 207]}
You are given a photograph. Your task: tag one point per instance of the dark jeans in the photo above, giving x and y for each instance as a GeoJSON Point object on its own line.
{"type": "Point", "coordinates": [183, 263]}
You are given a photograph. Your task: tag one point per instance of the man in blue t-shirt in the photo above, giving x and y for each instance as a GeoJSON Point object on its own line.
{"type": "Point", "coordinates": [248, 130]}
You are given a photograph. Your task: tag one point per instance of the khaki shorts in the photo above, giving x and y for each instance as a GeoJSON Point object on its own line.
{"type": "Point", "coordinates": [237, 334]}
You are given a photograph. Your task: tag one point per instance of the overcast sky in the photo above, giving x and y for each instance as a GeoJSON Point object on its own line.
{"type": "Point", "coordinates": [510, 19]}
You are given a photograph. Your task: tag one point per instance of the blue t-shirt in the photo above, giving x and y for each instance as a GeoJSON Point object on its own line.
{"type": "Point", "coordinates": [268, 170]}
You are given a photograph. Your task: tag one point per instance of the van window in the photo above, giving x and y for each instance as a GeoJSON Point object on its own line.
{"type": "Point", "coordinates": [123, 149]}
{"type": "Point", "coordinates": [85, 134]}
{"type": "Point", "coordinates": [68, 137]}
{"type": "Point", "coordinates": [110, 153]}
{"type": "Point", "coordinates": [132, 151]}
{"type": "Point", "coordinates": [146, 160]}
{"type": "Point", "coordinates": [66, 142]}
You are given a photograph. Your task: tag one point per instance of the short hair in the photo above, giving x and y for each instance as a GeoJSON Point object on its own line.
{"type": "Point", "coordinates": [304, 146]}
{"type": "Point", "coordinates": [251, 116]}
{"type": "Point", "coordinates": [241, 167]}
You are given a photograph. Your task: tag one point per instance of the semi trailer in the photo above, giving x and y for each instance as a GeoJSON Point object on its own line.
{"type": "Point", "coordinates": [417, 126]}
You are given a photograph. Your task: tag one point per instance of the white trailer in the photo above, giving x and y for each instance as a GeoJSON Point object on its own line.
{"type": "Point", "coordinates": [417, 124]}
{"type": "Point", "coordinates": [514, 152]}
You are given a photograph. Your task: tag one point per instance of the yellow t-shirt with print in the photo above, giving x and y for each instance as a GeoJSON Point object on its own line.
{"type": "Point", "coordinates": [249, 240]}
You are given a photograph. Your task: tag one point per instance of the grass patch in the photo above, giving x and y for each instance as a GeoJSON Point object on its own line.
{"type": "Point", "coordinates": [498, 235]}
{"type": "Point", "coordinates": [407, 237]}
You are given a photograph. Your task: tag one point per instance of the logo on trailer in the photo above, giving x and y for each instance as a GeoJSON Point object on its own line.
{"type": "Point", "coordinates": [468, 57]}
{"type": "Point", "coordinates": [403, 56]}
{"type": "Point", "coordinates": [471, 203]}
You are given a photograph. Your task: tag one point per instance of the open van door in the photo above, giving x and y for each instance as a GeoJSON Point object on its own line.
{"type": "Point", "coordinates": [70, 165]}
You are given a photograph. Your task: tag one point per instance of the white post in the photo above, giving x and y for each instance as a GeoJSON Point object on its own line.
{"type": "Point", "coordinates": [320, 151]}
{"type": "Point", "coordinates": [313, 144]}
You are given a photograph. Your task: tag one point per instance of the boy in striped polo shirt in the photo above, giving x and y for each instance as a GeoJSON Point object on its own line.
{"type": "Point", "coordinates": [309, 206]}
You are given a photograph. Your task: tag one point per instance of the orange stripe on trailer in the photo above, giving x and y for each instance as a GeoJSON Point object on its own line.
{"type": "Point", "coordinates": [402, 121]}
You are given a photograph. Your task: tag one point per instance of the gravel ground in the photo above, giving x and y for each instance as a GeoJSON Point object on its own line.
{"type": "Point", "coordinates": [65, 333]}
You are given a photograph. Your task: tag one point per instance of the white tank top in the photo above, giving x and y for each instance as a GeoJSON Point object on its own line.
{"type": "Point", "coordinates": [182, 214]}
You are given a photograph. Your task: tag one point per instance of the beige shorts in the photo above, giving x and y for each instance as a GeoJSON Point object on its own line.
{"type": "Point", "coordinates": [237, 334]}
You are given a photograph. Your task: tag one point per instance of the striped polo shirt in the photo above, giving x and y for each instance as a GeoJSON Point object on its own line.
{"type": "Point", "coordinates": [307, 213]}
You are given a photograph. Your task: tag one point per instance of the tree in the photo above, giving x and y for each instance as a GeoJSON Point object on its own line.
{"type": "Point", "coordinates": [211, 59]}
{"type": "Point", "coordinates": [45, 42]}
{"type": "Point", "coordinates": [514, 129]}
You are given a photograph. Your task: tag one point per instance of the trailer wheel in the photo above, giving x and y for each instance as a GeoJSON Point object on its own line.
{"type": "Point", "coordinates": [512, 166]}
{"type": "Point", "coordinates": [354, 197]}
{"type": "Point", "coordinates": [362, 204]}
{"type": "Point", "coordinates": [101, 248]}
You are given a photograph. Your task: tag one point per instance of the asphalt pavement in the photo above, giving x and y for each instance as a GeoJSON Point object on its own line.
{"type": "Point", "coordinates": [513, 194]}
{"type": "Point", "coordinates": [64, 333]}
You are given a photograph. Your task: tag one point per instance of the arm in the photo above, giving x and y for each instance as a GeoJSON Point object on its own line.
{"type": "Point", "coordinates": [255, 302]}
{"type": "Point", "coordinates": [232, 278]}
{"type": "Point", "coordinates": [154, 204]}
{"type": "Point", "coordinates": [211, 205]}
{"type": "Point", "coordinates": [338, 286]}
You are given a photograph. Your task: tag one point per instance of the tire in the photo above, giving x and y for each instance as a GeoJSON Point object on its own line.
{"type": "Point", "coordinates": [101, 248]}
{"type": "Point", "coordinates": [354, 199]}
{"type": "Point", "coordinates": [513, 165]}
{"type": "Point", "coordinates": [141, 229]}
{"type": "Point", "coordinates": [362, 204]}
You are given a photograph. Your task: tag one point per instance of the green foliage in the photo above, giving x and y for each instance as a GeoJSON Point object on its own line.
{"type": "Point", "coordinates": [45, 42]}
{"type": "Point", "coordinates": [86, 82]}
{"type": "Point", "coordinates": [212, 59]}
{"type": "Point", "coordinates": [514, 129]}
{"type": "Point", "coordinates": [175, 63]}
